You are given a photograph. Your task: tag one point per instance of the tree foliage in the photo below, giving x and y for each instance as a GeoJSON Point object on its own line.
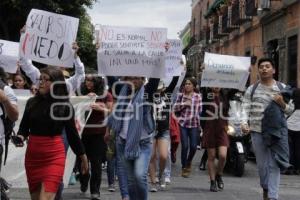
{"type": "Point", "coordinates": [13, 14]}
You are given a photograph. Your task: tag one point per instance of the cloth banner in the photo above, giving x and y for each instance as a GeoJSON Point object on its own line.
{"type": "Point", "coordinates": [131, 51]}
{"type": "Point", "coordinates": [225, 71]}
{"type": "Point", "coordinates": [48, 38]}
{"type": "Point", "coordinates": [9, 55]}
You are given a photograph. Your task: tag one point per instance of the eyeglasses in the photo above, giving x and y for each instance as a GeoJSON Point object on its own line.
{"type": "Point", "coordinates": [43, 80]}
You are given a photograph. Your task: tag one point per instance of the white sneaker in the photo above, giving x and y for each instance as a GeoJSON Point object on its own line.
{"type": "Point", "coordinates": [153, 187]}
{"type": "Point", "coordinates": [168, 180]}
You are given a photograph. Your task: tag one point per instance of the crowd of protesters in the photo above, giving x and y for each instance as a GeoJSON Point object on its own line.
{"type": "Point", "coordinates": [134, 124]}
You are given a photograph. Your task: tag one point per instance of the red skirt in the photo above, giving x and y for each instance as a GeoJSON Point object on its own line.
{"type": "Point", "coordinates": [45, 162]}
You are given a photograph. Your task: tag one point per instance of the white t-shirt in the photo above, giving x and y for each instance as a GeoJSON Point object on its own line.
{"type": "Point", "coordinates": [13, 100]}
{"type": "Point", "coordinates": [293, 121]}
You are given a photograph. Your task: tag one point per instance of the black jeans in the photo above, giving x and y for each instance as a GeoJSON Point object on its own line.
{"type": "Point", "coordinates": [294, 144]}
{"type": "Point", "coordinates": [95, 177]}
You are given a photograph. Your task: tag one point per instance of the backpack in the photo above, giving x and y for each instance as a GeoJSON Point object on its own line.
{"type": "Point", "coordinates": [279, 85]}
{"type": "Point", "coordinates": [8, 125]}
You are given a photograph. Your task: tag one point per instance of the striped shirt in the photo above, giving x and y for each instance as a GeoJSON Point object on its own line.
{"type": "Point", "coordinates": [253, 110]}
{"type": "Point", "coordinates": [189, 109]}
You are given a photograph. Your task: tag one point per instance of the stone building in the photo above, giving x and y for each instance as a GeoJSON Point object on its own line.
{"type": "Point", "coordinates": [254, 28]}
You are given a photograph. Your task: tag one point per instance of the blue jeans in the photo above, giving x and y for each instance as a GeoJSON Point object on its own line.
{"type": "Point", "coordinates": [189, 142]}
{"type": "Point", "coordinates": [111, 166]}
{"type": "Point", "coordinates": [121, 171]}
{"type": "Point", "coordinates": [269, 171]}
{"type": "Point", "coordinates": [137, 170]}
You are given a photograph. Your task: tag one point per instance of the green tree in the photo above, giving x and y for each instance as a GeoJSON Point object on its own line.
{"type": "Point", "coordinates": [13, 14]}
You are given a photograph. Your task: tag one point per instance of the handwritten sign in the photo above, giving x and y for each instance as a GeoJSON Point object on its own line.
{"type": "Point", "coordinates": [48, 38]}
{"type": "Point", "coordinates": [9, 54]}
{"type": "Point", "coordinates": [129, 51]}
{"type": "Point", "coordinates": [173, 58]}
{"type": "Point", "coordinates": [225, 71]}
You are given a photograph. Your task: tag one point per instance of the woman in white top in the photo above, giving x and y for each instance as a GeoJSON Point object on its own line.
{"type": "Point", "coordinates": [294, 134]}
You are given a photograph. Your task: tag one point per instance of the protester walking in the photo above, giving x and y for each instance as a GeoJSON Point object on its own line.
{"type": "Point", "coordinates": [187, 108]}
{"type": "Point", "coordinates": [215, 139]}
{"type": "Point", "coordinates": [133, 123]}
{"type": "Point", "coordinates": [94, 131]}
{"type": "Point", "coordinates": [256, 99]}
{"type": "Point", "coordinates": [161, 143]}
{"type": "Point", "coordinates": [45, 117]}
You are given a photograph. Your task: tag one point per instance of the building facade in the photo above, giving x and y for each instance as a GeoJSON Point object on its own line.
{"type": "Point", "coordinates": [255, 28]}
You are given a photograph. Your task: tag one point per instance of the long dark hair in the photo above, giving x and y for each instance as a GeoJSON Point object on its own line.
{"type": "Point", "coordinates": [99, 85]}
{"type": "Point", "coordinates": [59, 86]}
{"type": "Point", "coordinates": [26, 86]}
{"type": "Point", "coordinates": [223, 95]}
{"type": "Point", "coordinates": [59, 92]}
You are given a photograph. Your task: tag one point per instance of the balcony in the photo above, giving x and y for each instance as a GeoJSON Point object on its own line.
{"type": "Point", "coordinates": [227, 26]}
{"type": "Point", "coordinates": [251, 8]}
{"type": "Point", "coordinates": [239, 13]}
{"type": "Point", "coordinates": [221, 32]}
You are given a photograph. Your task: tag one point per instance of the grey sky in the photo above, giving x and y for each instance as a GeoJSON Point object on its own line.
{"type": "Point", "coordinates": [171, 14]}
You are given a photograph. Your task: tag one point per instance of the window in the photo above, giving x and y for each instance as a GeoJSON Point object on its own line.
{"type": "Point", "coordinates": [292, 60]}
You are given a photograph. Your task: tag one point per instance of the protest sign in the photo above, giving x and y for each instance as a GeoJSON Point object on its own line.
{"type": "Point", "coordinates": [9, 54]}
{"type": "Point", "coordinates": [225, 71]}
{"type": "Point", "coordinates": [129, 51]}
{"type": "Point", "coordinates": [173, 58]}
{"type": "Point", "coordinates": [48, 38]}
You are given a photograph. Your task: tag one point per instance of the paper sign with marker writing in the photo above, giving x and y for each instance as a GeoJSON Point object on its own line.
{"type": "Point", "coordinates": [48, 38]}
{"type": "Point", "coordinates": [131, 51]}
{"type": "Point", "coordinates": [225, 71]}
{"type": "Point", "coordinates": [174, 57]}
{"type": "Point", "coordinates": [9, 54]}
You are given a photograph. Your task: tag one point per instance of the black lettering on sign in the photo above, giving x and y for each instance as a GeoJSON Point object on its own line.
{"type": "Point", "coordinates": [1, 45]}
{"type": "Point", "coordinates": [115, 62]}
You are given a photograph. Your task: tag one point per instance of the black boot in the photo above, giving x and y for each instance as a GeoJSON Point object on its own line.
{"type": "Point", "coordinates": [213, 186]}
{"type": "Point", "coordinates": [220, 182]}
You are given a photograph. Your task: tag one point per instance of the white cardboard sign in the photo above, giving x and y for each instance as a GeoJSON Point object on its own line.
{"type": "Point", "coordinates": [9, 55]}
{"type": "Point", "coordinates": [131, 51]}
{"type": "Point", "coordinates": [48, 38]}
{"type": "Point", "coordinates": [173, 58]}
{"type": "Point", "coordinates": [225, 71]}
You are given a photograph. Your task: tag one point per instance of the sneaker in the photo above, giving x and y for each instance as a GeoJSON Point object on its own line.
{"type": "Point", "coordinates": [153, 187]}
{"type": "Point", "coordinates": [72, 180]}
{"type": "Point", "coordinates": [168, 180]}
{"type": "Point", "coordinates": [111, 188]}
{"type": "Point", "coordinates": [162, 182]}
{"type": "Point", "coordinates": [95, 197]}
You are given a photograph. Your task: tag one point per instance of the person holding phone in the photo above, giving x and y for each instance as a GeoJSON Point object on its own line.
{"type": "Point", "coordinates": [45, 116]}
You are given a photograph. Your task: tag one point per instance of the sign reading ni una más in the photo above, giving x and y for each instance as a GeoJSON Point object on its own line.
{"type": "Point", "coordinates": [131, 51]}
{"type": "Point", "coordinates": [48, 38]}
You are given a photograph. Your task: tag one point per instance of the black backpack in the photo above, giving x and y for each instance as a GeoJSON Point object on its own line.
{"type": "Point", "coordinates": [8, 126]}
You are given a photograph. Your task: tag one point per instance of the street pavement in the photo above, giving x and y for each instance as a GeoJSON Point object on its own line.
{"type": "Point", "coordinates": [194, 188]}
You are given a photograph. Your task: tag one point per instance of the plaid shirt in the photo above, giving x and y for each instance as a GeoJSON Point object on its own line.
{"type": "Point", "coordinates": [188, 115]}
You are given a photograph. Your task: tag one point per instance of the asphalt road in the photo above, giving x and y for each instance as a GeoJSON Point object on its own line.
{"type": "Point", "coordinates": [193, 188]}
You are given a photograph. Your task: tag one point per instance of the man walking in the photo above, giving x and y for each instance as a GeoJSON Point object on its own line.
{"type": "Point", "coordinates": [256, 99]}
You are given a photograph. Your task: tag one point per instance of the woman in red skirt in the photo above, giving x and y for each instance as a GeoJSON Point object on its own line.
{"type": "Point", "coordinates": [45, 116]}
{"type": "Point", "coordinates": [215, 138]}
